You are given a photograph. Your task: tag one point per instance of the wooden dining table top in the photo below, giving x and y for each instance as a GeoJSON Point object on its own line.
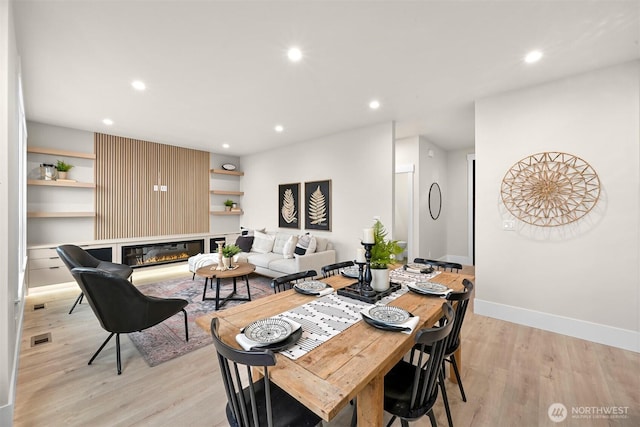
{"type": "Point", "coordinates": [349, 365]}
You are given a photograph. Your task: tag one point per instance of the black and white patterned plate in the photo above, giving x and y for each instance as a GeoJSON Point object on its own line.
{"type": "Point", "coordinates": [351, 272]}
{"type": "Point", "coordinates": [268, 331]}
{"type": "Point", "coordinates": [311, 286]}
{"type": "Point", "coordinates": [429, 288]}
{"type": "Point", "coordinates": [389, 314]}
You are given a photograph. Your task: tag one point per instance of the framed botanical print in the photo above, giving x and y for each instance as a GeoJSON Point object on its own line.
{"type": "Point", "coordinates": [288, 205]}
{"type": "Point", "coordinates": [317, 195]}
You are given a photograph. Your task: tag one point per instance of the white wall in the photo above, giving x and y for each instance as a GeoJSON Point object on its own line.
{"type": "Point", "coordinates": [11, 303]}
{"type": "Point", "coordinates": [456, 206]}
{"type": "Point", "coordinates": [359, 163]}
{"type": "Point", "coordinates": [581, 279]}
{"type": "Point", "coordinates": [432, 233]}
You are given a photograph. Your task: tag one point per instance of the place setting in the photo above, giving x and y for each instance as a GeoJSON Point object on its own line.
{"type": "Point", "coordinates": [390, 318]}
{"type": "Point", "coordinates": [313, 287]}
{"type": "Point", "coordinates": [275, 334]}
{"type": "Point", "coordinates": [429, 289]}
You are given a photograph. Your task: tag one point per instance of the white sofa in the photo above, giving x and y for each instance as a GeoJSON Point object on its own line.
{"type": "Point", "coordinates": [275, 264]}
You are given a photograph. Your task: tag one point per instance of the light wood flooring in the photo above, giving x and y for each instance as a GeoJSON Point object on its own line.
{"type": "Point", "coordinates": [511, 375]}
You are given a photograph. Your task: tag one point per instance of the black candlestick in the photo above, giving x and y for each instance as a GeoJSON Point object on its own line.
{"type": "Point", "coordinates": [366, 288]}
{"type": "Point", "coordinates": [360, 275]}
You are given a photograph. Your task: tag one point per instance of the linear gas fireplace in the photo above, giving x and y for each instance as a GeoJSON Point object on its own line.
{"type": "Point", "coordinates": [160, 253]}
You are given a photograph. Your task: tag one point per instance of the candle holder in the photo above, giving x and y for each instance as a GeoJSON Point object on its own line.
{"type": "Point", "coordinates": [360, 275]}
{"type": "Point", "coordinates": [366, 289]}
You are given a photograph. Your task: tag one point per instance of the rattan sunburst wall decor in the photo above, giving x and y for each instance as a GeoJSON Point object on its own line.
{"type": "Point", "coordinates": [550, 189]}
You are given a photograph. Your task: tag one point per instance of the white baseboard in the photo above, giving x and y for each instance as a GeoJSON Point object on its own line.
{"type": "Point", "coordinates": [602, 334]}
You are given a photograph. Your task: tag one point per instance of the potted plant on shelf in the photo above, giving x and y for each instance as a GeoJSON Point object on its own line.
{"type": "Point", "coordinates": [228, 252]}
{"type": "Point", "coordinates": [227, 204]}
{"type": "Point", "coordinates": [63, 168]}
{"type": "Point", "coordinates": [383, 253]}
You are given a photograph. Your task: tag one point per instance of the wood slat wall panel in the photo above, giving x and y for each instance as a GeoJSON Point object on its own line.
{"type": "Point", "coordinates": [126, 204]}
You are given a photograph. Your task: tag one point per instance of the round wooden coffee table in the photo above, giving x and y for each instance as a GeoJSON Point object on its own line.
{"type": "Point", "coordinates": [209, 272]}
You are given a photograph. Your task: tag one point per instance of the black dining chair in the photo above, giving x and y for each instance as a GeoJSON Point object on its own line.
{"type": "Point", "coordinates": [460, 301]}
{"type": "Point", "coordinates": [121, 308]}
{"type": "Point", "coordinates": [286, 282]}
{"type": "Point", "coordinates": [74, 256]}
{"type": "Point", "coordinates": [440, 265]}
{"type": "Point", "coordinates": [256, 402]}
{"type": "Point", "coordinates": [333, 269]}
{"type": "Point", "coordinates": [411, 389]}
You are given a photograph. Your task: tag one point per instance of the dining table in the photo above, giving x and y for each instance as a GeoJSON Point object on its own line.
{"type": "Point", "coordinates": [350, 365]}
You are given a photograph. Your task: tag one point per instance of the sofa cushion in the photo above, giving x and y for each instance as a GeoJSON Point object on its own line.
{"type": "Point", "coordinates": [321, 244]}
{"type": "Point", "coordinates": [284, 266]}
{"type": "Point", "coordinates": [289, 247]}
{"type": "Point", "coordinates": [262, 260]}
{"type": "Point", "coordinates": [245, 243]}
{"type": "Point", "coordinates": [262, 243]}
{"type": "Point", "coordinates": [279, 243]}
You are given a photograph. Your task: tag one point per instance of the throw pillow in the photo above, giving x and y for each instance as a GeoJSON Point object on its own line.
{"type": "Point", "coordinates": [306, 245]}
{"type": "Point", "coordinates": [281, 240]}
{"type": "Point", "coordinates": [245, 243]}
{"type": "Point", "coordinates": [262, 243]}
{"type": "Point", "coordinates": [289, 247]}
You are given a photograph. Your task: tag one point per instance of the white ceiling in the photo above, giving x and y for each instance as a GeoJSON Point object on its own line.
{"type": "Point", "coordinates": [217, 71]}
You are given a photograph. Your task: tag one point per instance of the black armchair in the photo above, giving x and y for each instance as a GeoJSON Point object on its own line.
{"type": "Point", "coordinates": [122, 308]}
{"type": "Point", "coordinates": [74, 256]}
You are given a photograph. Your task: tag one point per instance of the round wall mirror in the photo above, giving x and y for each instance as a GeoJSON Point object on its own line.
{"type": "Point", "coordinates": [435, 200]}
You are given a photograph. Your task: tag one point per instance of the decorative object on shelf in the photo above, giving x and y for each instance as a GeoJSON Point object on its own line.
{"type": "Point", "coordinates": [288, 205]}
{"type": "Point", "coordinates": [228, 204]}
{"type": "Point", "coordinates": [48, 172]}
{"type": "Point", "coordinates": [318, 205]}
{"type": "Point", "coordinates": [229, 166]}
{"type": "Point", "coordinates": [550, 189]}
{"type": "Point", "coordinates": [383, 253]}
{"type": "Point", "coordinates": [435, 201]}
{"type": "Point", "coordinates": [63, 168]}
{"type": "Point", "coordinates": [228, 252]}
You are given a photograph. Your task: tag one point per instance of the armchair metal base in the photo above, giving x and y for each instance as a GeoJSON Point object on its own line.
{"type": "Point", "coordinates": [78, 301]}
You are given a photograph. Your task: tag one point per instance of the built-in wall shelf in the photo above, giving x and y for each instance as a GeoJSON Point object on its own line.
{"type": "Point", "coordinates": [61, 183]}
{"type": "Point", "coordinates": [227, 212]}
{"type": "Point", "coordinates": [227, 193]}
{"type": "Point", "coordinates": [61, 214]}
{"type": "Point", "coordinates": [226, 172]}
{"type": "Point", "coordinates": [63, 153]}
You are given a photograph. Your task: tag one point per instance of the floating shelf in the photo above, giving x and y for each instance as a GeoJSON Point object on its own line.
{"type": "Point", "coordinates": [226, 172]}
{"type": "Point", "coordinates": [61, 183]}
{"type": "Point", "coordinates": [64, 153]}
{"type": "Point", "coordinates": [226, 212]}
{"type": "Point", "coordinates": [60, 214]}
{"type": "Point", "coordinates": [227, 193]}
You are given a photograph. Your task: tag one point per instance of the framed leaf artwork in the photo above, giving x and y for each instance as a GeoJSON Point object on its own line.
{"type": "Point", "coordinates": [317, 195]}
{"type": "Point", "coordinates": [288, 205]}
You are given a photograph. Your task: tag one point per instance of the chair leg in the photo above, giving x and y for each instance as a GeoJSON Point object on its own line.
{"type": "Point", "coordinates": [78, 301]}
{"type": "Point", "coordinates": [404, 423]}
{"type": "Point", "coordinates": [432, 418]}
{"type": "Point", "coordinates": [118, 360]}
{"type": "Point", "coordinates": [455, 370]}
{"type": "Point", "coordinates": [186, 325]}
{"type": "Point", "coordinates": [391, 421]}
{"type": "Point", "coordinates": [445, 399]}
{"type": "Point", "coordinates": [354, 415]}
{"type": "Point", "coordinates": [101, 347]}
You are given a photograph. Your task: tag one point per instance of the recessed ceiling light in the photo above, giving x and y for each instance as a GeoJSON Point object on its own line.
{"type": "Point", "coordinates": [374, 104]}
{"type": "Point", "coordinates": [294, 54]}
{"type": "Point", "coordinates": [225, 145]}
{"type": "Point", "coordinates": [279, 128]}
{"type": "Point", "coordinates": [138, 85]}
{"type": "Point", "coordinates": [533, 56]}
{"type": "Point", "coordinates": [107, 122]}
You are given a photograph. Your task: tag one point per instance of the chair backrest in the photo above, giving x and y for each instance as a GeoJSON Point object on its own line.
{"type": "Point", "coordinates": [426, 372]}
{"type": "Point", "coordinates": [283, 283]}
{"type": "Point", "coordinates": [440, 265]}
{"type": "Point", "coordinates": [119, 306]}
{"type": "Point", "coordinates": [74, 256]}
{"type": "Point", "coordinates": [232, 361]}
{"type": "Point", "coordinates": [462, 299]}
{"type": "Point", "coordinates": [332, 269]}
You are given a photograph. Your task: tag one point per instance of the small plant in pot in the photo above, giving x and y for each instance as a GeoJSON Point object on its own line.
{"type": "Point", "coordinates": [227, 204]}
{"type": "Point", "coordinates": [63, 168]}
{"type": "Point", "coordinates": [228, 252]}
{"type": "Point", "coordinates": [383, 253]}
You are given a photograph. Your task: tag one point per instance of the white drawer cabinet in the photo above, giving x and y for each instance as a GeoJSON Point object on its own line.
{"type": "Point", "coordinates": [46, 268]}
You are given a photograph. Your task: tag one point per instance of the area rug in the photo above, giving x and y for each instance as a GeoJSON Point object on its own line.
{"type": "Point", "coordinates": [165, 341]}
